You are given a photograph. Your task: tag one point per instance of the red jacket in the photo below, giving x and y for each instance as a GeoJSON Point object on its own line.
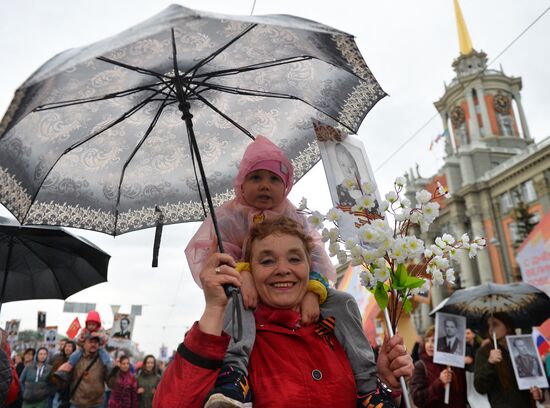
{"type": "Point", "coordinates": [283, 365]}
{"type": "Point", "coordinates": [13, 390]}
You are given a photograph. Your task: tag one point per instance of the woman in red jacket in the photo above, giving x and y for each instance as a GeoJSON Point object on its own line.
{"type": "Point", "coordinates": [123, 386]}
{"type": "Point", "coordinates": [429, 379]}
{"type": "Point", "coordinates": [290, 365]}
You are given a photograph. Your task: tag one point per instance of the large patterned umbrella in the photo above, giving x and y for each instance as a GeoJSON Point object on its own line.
{"type": "Point", "coordinates": [527, 305]}
{"type": "Point", "coordinates": [95, 139]}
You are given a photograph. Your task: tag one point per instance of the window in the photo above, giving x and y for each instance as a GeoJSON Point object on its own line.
{"type": "Point", "coordinates": [505, 202]}
{"type": "Point", "coordinates": [528, 191]}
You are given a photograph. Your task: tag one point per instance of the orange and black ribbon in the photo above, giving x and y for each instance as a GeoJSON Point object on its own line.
{"type": "Point", "coordinates": [325, 329]}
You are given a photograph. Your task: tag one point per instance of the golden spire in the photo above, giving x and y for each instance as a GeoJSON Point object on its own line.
{"type": "Point", "coordinates": [464, 39]}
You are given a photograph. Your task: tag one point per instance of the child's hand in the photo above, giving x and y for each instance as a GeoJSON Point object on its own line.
{"type": "Point", "coordinates": [309, 308]}
{"type": "Point", "coordinates": [248, 290]}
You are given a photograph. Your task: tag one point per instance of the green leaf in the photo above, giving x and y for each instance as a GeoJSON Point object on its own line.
{"type": "Point", "coordinates": [407, 305]}
{"type": "Point", "coordinates": [412, 282]}
{"type": "Point", "coordinates": [400, 277]}
{"type": "Point", "coordinates": [381, 296]}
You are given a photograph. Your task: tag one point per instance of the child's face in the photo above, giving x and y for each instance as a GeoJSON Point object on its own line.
{"type": "Point", "coordinates": [91, 326]}
{"type": "Point", "coordinates": [263, 189]}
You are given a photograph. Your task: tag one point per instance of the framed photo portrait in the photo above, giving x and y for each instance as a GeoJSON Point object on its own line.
{"type": "Point", "coordinates": [12, 328]}
{"type": "Point", "coordinates": [347, 160]}
{"type": "Point", "coordinates": [450, 339]}
{"type": "Point", "coordinates": [526, 361]}
{"type": "Point", "coordinates": [123, 326]}
{"type": "Point", "coordinates": [50, 335]}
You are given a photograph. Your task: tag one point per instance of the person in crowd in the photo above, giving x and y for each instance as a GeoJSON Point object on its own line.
{"type": "Point", "coordinates": [123, 386]}
{"type": "Point", "coordinates": [262, 184]}
{"type": "Point", "coordinates": [62, 396]}
{"type": "Point", "coordinates": [429, 379]}
{"type": "Point", "coordinates": [9, 380]}
{"type": "Point", "coordinates": [28, 358]}
{"type": "Point", "coordinates": [291, 364]}
{"type": "Point", "coordinates": [148, 380]}
{"type": "Point", "coordinates": [35, 381]}
{"type": "Point", "coordinates": [92, 327]}
{"type": "Point", "coordinates": [89, 376]}
{"type": "Point", "coordinates": [472, 346]}
{"type": "Point", "coordinates": [494, 374]}
{"type": "Point", "coordinates": [61, 347]}
{"type": "Point", "coordinates": [449, 343]}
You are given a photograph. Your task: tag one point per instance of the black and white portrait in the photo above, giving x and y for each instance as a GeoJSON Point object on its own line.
{"type": "Point", "coordinates": [527, 364]}
{"type": "Point", "coordinates": [12, 328]}
{"type": "Point", "coordinates": [450, 339]}
{"type": "Point", "coordinates": [50, 335]}
{"type": "Point", "coordinates": [41, 320]}
{"type": "Point", "coordinates": [346, 162]}
{"type": "Point", "coordinates": [122, 326]}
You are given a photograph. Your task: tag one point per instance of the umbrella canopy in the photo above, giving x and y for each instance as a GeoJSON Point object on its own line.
{"type": "Point", "coordinates": [94, 139]}
{"type": "Point", "coordinates": [525, 304]}
{"type": "Point", "coordinates": [47, 263]}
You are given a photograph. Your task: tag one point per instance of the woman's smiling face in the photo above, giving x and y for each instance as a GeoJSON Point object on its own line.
{"type": "Point", "coordinates": [280, 267]}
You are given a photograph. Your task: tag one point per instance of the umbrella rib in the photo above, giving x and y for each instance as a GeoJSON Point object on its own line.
{"type": "Point", "coordinates": [230, 90]}
{"type": "Point", "coordinates": [210, 57]}
{"type": "Point", "coordinates": [134, 151]}
{"type": "Point", "coordinates": [233, 122]}
{"type": "Point", "coordinates": [253, 67]}
{"type": "Point", "coordinates": [47, 264]}
{"type": "Point", "coordinates": [71, 102]}
{"type": "Point", "coordinates": [124, 116]}
{"type": "Point", "coordinates": [132, 67]}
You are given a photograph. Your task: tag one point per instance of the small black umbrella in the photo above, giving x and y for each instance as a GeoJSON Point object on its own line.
{"type": "Point", "coordinates": [526, 305]}
{"type": "Point", "coordinates": [47, 263]}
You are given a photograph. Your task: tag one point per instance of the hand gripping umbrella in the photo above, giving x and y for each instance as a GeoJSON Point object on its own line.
{"type": "Point", "coordinates": [46, 263]}
{"type": "Point", "coordinates": [94, 139]}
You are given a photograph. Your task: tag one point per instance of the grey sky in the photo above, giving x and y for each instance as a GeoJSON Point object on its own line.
{"type": "Point", "coordinates": [408, 45]}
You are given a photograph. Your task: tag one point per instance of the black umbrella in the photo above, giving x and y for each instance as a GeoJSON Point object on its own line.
{"type": "Point", "coordinates": [47, 263]}
{"type": "Point", "coordinates": [527, 305]}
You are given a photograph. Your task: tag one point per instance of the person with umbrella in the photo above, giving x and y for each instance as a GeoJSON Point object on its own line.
{"type": "Point", "coordinates": [290, 364]}
{"type": "Point", "coordinates": [494, 374]}
{"type": "Point", "coordinates": [263, 182]}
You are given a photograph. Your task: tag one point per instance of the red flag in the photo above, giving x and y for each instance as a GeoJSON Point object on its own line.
{"type": "Point", "coordinates": [73, 329]}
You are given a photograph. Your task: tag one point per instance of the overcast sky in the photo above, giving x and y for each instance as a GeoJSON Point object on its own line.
{"type": "Point", "coordinates": [409, 46]}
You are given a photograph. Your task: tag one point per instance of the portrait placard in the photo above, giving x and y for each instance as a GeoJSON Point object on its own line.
{"type": "Point", "coordinates": [347, 160]}
{"type": "Point", "coordinates": [121, 332]}
{"type": "Point", "coordinates": [50, 335]}
{"type": "Point", "coordinates": [527, 364]}
{"type": "Point", "coordinates": [12, 328]}
{"type": "Point", "coordinates": [450, 339]}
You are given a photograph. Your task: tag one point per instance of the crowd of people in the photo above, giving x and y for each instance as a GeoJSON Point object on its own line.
{"type": "Point", "coordinates": [78, 374]}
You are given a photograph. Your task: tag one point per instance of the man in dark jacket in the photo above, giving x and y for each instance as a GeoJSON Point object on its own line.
{"type": "Point", "coordinates": [450, 343]}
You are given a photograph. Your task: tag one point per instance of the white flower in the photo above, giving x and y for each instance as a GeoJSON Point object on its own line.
{"type": "Point", "coordinates": [333, 234]}
{"type": "Point", "coordinates": [333, 249]}
{"type": "Point", "coordinates": [448, 238]}
{"type": "Point", "coordinates": [436, 250]}
{"type": "Point", "coordinates": [325, 235]}
{"type": "Point", "coordinates": [355, 194]}
{"type": "Point", "coordinates": [401, 216]}
{"type": "Point", "coordinates": [437, 277]}
{"type": "Point", "coordinates": [342, 257]}
{"type": "Point", "coordinates": [356, 261]}
{"type": "Point", "coordinates": [316, 219]}
{"type": "Point", "coordinates": [303, 204]}
{"type": "Point", "coordinates": [383, 206]}
{"type": "Point", "coordinates": [356, 251]}
{"type": "Point", "coordinates": [400, 181]}
{"type": "Point", "coordinates": [367, 187]}
{"type": "Point", "coordinates": [480, 241]}
{"type": "Point", "coordinates": [415, 217]}
{"type": "Point", "coordinates": [367, 201]}
{"type": "Point", "coordinates": [391, 197]}
{"type": "Point", "coordinates": [381, 274]}
{"type": "Point", "coordinates": [415, 245]}
{"type": "Point", "coordinates": [405, 202]}
{"type": "Point", "coordinates": [440, 243]}
{"type": "Point", "coordinates": [442, 190]}
{"type": "Point", "coordinates": [465, 238]}
{"type": "Point", "coordinates": [450, 275]}
{"type": "Point", "coordinates": [356, 208]}
{"type": "Point", "coordinates": [349, 183]}
{"type": "Point", "coordinates": [430, 212]}
{"type": "Point", "coordinates": [365, 278]}
{"type": "Point", "coordinates": [379, 263]}
{"type": "Point", "coordinates": [440, 262]}
{"type": "Point", "coordinates": [428, 253]}
{"type": "Point", "coordinates": [368, 256]}
{"type": "Point", "coordinates": [350, 244]}
{"type": "Point", "coordinates": [334, 215]}
{"type": "Point", "coordinates": [423, 196]}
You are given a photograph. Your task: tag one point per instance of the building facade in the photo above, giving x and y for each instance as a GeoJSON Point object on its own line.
{"type": "Point", "coordinates": [499, 179]}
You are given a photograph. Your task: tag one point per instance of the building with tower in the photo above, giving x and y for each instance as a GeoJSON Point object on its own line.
{"type": "Point", "coordinates": [498, 177]}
